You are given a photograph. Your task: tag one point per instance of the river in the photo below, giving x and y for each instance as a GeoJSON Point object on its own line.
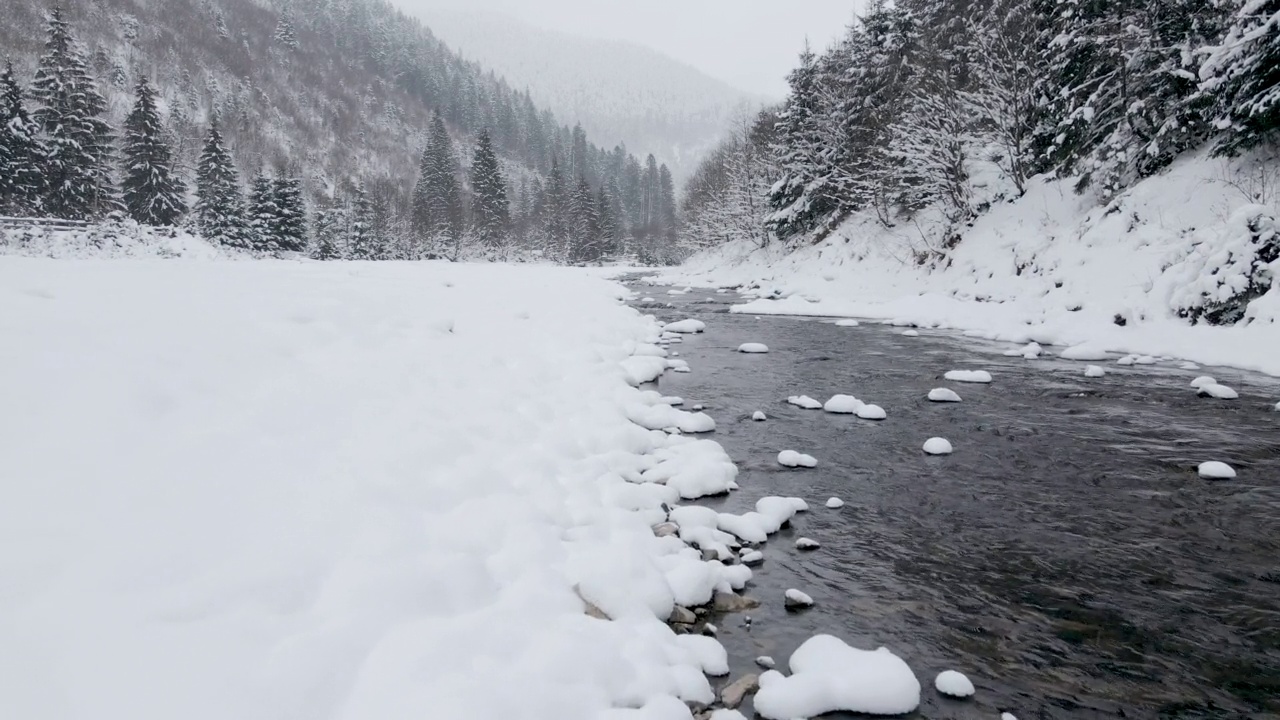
{"type": "Point", "coordinates": [1067, 557]}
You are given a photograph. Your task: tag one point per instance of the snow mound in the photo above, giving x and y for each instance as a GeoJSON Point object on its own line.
{"type": "Point", "coordinates": [692, 468]}
{"type": "Point", "coordinates": [805, 402]}
{"type": "Point", "coordinates": [1188, 366]}
{"type": "Point", "coordinates": [759, 416]}
{"type": "Point", "coordinates": [1216, 471]}
{"type": "Point", "coordinates": [686, 327]}
{"type": "Point", "coordinates": [1094, 371]}
{"type": "Point", "coordinates": [651, 413]}
{"type": "Point", "coordinates": [843, 405]}
{"type": "Point", "coordinates": [753, 348]}
{"type": "Point", "coordinates": [938, 446]}
{"type": "Point", "coordinates": [953, 684]}
{"type": "Point", "coordinates": [829, 676]}
{"type": "Point", "coordinates": [835, 503]}
{"type": "Point", "coordinates": [1202, 381]}
{"type": "Point", "coordinates": [114, 240]}
{"type": "Point", "coordinates": [943, 395]}
{"type": "Point", "coordinates": [805, 543]}
{"type": "Point", "coordinates": [1085, 351]}
{"type": "Point", "coordinates": [910, 333]}
{"type": "Point", "coordinates": [847, 322]}
{"type": "Point", "coordinates": [1220, 392]}
{"type": "Point", "coordinates": [1031, 351]}
{"type": "Point", "coordinates": [969, 376]}
{"type": "Point", "coordinates": [1277, 408]}
{"type": "Point", "coordinates": [793, 459]}
{"type": "Point", "coordinates": [794, 599]}
{"type": "Point", "coordinates": [872, 412]}
{"type": "Point", "coordinates": [778, 511]}
{"type": "Point", "coordinates": [641, 369]}
{"type": "Point", "coordinates": [752, 557]}
{"type": "Point", "coordinates": [766, 662]}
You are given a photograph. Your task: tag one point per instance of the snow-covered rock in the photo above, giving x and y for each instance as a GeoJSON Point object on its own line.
{"type": "Point", "coordinates": [1277, 407]}
{"type": "Point", "coordinates": [969, 376]}
{"type": "Point", "coordinates": [1202, 381]}
{"type": "Point", "coordinates": [795, 600]}
{"type": "Point", "coordinates": [766, 662]}
{"type": "Point", "coordinates": [641, 369]}
{"type": "Point", "coordinates": [843, 405]}
{"type": "Point", "coordinates": [793, 459]}
{"type": "Point", "coordinates": [752, 557]}
{"type": "Point", "coordinates": [1188, 366]}
{"type": "Point", "coordinates": [686, 327]}
{"type": "Point", "coordinates": [953, 684]}
{"type": "Point", "coordinates": [847, 322]}
{"type": "Point", "coordinates": [805, 543]}
{"type": "Point", "coordinates": [910, 333]}
{"type": "Point", "coordinates": [943, 395]}
{"type": "Point", "coordinates": [1030, 351]}
{"type": "Point", "coordinates": [835, 503]}
{"type": "Point", "coordinates": [1094, 371]}
{"type": "Point", "coordinates": [805, 402]}
{"type": "Point", "coordinates": [1215, 470]}
{"type": "Point", "coordinates": [1220, 392]}
{"type": "Point", "coordinates": [938, 446]}
{"type": "Point", "coordinates": [776, 512]}
{"type": "Point", "coordinates": [759, 416]}
{"type": "Point", "coordinates": [829, 676]}
{"type": "Point", "coordinates": [1127, 360]}
{"type": "Point", "coordinates": [753, 348]}
{"type": "Point", "coordinates": [872, 412]}
{"type": "Point", "coordinates": [1085, 351]}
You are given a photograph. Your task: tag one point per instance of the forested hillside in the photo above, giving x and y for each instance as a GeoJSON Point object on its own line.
{"type": "Point", "coordinates": [338, 127]}
{"type": "Point", "coordinates": [620, 92]}
{"type": "Point", "coordinates": [928, 112]}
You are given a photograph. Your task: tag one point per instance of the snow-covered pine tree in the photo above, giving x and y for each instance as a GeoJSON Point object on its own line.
{"type": "Point", "coordinates": [607, 220]}
{"type": "Point", "coordinates": [668, 226]}
{"type": "Point", "coordinates": [284, 34]}
{"type": "Point", "coordinates": [490, 208]}
{"type": "Point", "coordinates": [153, 194]}
{"type": "Point", "coordinates": [799, 198]}
{"type": "Point", "coordinates": [363, 238]}
{"type": "Point", "coordinates": [77, 141]}
{"type": "Point", "coordinates": [555, 210]}
{"type": "Point", "coordinates": [21, 176]}
{"type": "Point", "coordinates": [262, 214]}
{"type": "Point", "coordinates": [584, 224]}
{"type": "Point", "coordinates": [929, 145]}
{"type": "Point", "coordinates": [290, 227]}
{"type": "Point", "coordinates": [438, 210]}
{"type": "Point", "coordinates": [1242, 74]}
{"type": "Point", "coordinates": [329, 229]}
{"type": "Point", "coordinates": [219, 211]}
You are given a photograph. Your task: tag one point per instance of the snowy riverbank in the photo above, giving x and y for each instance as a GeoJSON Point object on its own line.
{"type": "Point", "coordinates": [1051, 267]}
{"type": "Point", "coordinates": [276, 490]}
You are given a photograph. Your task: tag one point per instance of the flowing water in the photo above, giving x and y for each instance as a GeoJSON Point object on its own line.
{"type": "Point", "coordinates": [1066, 557]}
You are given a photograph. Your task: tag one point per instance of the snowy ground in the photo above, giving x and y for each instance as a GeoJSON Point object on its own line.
{"type": "Point", "coordinates": [1052, 267]}
{"type": "Point", "coordinates": [263, 490]}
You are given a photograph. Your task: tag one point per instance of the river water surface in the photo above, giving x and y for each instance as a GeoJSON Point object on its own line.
{"type": "Point", "coordinates": [1066, 557]}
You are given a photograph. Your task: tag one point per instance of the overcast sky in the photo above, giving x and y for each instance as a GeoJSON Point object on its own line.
{"type": "Point", "coordinates": [749, 43]}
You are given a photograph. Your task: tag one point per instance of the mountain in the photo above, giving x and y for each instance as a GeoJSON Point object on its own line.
{"type": "Point", "coordinates": [618, 91]}
{"type": "Point", "coordinates": [335, 98]}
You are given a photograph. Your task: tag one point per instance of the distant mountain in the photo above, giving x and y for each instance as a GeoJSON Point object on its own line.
{"type": "Point", "coordinates": [618, 91]}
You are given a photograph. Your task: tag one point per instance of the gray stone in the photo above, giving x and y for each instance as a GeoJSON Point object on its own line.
{"type": "Point", "coordinates": [737, 691]}
{"type": "Point", "coordinates": [682, 615]}
{"type": "Point", "coordinates": [666, 529]}
{"type": "Point", "coordinates": [733, 603]}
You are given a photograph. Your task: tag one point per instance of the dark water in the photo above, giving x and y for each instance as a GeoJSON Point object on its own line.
{"type": "Point", "coordinates": [1067, 557]}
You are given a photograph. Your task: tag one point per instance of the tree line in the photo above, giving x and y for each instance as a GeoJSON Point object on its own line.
{"type": "Point", "coordinates": [497, 177]}
{"type": "Point", "coordinates": [894, 116]}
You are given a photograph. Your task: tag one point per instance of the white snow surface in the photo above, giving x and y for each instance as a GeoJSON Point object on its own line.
{"type": "Point", "coordinates": [969, 376]}
{"type": "Point", "coordinates": [943, 395]}
{"type": "Point", "coordinates": [953, 684]}
{"type": "Point", "coordinates": [1220, 392]}
{"type": "Point", "coordinates": [1215, 470]}
{"type": "Point", "coordinates": [1094, 371]}
{"type": "Point", "coordinates": [686, 327]}
{"type": "Point", "coordinates": [872, 412]}
{"type": "Point", "coordinates": [843, 405]}
{"type": "Point", "coordinates": [847, 322]}
{"type": "Point", "coordinates": [1202, 381]}
{"type": "Point", "coordinates": [283, 489]}
{"type": "Point", "coordinates": [937, 446]}
{"type": "Point", "coordinates": [1053, 266]}
{"type": "Point", "coordinates": [835, 503]}
{"type": "Point", "coordinates": [792, 459]}
{"type": "Point", "coordinates": [798, 598]}
{"type": "Point", "coordinates": [828, 676]}
{"type": "Point", "coordinates": [805, 402]}
{"type": "Point", "coordinates": [753, 348]}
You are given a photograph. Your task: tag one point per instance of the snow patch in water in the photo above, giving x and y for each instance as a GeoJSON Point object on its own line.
{"type": "Point", "coordinates": [805, 402]}
{"type": "Point", "coordinates": [753, 348]}
{"type": "Point", "coordinates": [938, 446]}
{"type": "Point", "coordinates": [1216, 471]}
{"type": "Point", "coordinates": [969, 376]}
{"type": "Point", "coordinates": [953, 684]}
{"type": "Point", "coordinates": [792, 459]}
{"type": "Point", "coordinates": [830, 676]}
{"type": "Point", "coordinates": [943, 395]}
{"type": "Point", "coordinates": [843, 405]}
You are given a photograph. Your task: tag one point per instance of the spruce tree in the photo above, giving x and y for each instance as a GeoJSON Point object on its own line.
{"type": "Point", "coordinates": [438, 197]}
{"type": "Point", "coordinates": [77, 141]}
{"type": "Point", "coordinates": [263, 215]}
{"type": "Point", "coordinates": [330, 227]}
{"type": "Point", "coordinates": [584, 224]}
{"type": "Point", "coordinates": [1242, 73]}
{"type": "Point", "coordinates": [363, 239]}
{"type": "Point", "coordinates": [667, 225]}
{"type": "Point", "coordinates": [555, 207]}
{"type": "Point", "coordinates": [21, 175]}
{"type": "Point", "coordinates": [490, 210]}
{"type": "Point", "coordinates": [290, 227]}
{"type": "Point", "coordinates": [219, 202]}
{"type": "Point", "coordinates": [152, 193]}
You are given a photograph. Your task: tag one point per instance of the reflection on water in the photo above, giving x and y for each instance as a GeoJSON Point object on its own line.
{"type": "Point", "coordinates": [1066, 557]}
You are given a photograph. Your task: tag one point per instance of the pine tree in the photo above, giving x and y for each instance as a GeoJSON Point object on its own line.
{"type": "Point", "coordinates": [607, 219]}
{"type": "Point", "coordinates": [77, 141]}
{"type": "Point", "coordinates": [667, 223]}
{"type": "Point", "coordinates": [438, 197]}
{"type": "Point", "coordinates": [491, 213]}
{"type": "Point", "coordinates": [1242, 73]}
{"type": "Point", "coordinates": [555, 209]}
{"type": "Point", "coordinates": [21, 175]}
{"type": "Point", "coordinates": [584, 225]}
{"type": "Point", "coordinates": [219, 202]}
{"type": "Point", "coordinates": [330, 226]}
{"type": "Point", "coordinates": [263, 214]}
{"type": "Point", "coordinates": [152, 193]}
{"type": "Point", "coordinates": [289, 230]}
{"type": "Point", "coordinates": [799, 199]}
{"type": "Point", "coordinates": [363, 238]}
{"type": "Point", "coordinates": [284, 34]}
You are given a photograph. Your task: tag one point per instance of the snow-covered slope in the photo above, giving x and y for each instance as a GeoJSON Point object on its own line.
{"type": "Point", "coordinates": [1052, 266]}
{"type": "Point", "coordinates": [618, 91]}
{"type": "Point", "coordinates": [279, 490]}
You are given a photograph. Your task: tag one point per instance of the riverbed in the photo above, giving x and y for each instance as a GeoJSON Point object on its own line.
{"type": "Point", "coordinates": [1067, 557]}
